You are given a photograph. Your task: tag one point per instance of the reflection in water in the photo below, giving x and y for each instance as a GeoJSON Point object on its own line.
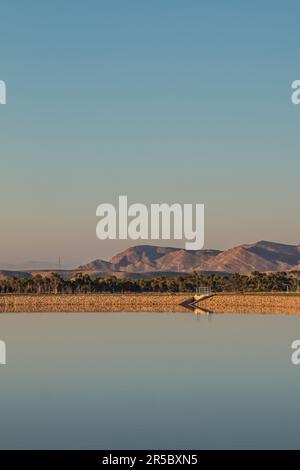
{"type": "Point", "coordinates": [201, 311]}
{"type": "Point", "coordinates": [149, 381]}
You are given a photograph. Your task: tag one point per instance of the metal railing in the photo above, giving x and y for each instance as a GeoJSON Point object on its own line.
{"type": "Point", "coordinates": [203, 290]}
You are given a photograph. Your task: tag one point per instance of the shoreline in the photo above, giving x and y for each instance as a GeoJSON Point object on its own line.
{"type": "Point", "coordinates": [246, 303]}
{"type": "Point", "coordinates": [104, 302]}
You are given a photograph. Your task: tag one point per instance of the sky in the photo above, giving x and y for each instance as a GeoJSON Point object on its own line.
{"type": "Point", "coordinates": [162, 101]}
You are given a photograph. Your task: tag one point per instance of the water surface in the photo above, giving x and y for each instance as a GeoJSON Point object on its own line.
{"type": "Point", "coordinates": [155, 381]}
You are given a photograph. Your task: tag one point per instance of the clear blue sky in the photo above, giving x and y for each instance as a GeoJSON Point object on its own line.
{"type": "Point", "coordinates": [169, 101]}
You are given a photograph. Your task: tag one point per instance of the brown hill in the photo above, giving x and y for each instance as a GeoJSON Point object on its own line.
{"type": "Point", "coordinates": [98, 265]}
{"type": "Point", "coordinates": [148, 260]}
{"type": "Point", "coordinates": [260, 256]}
{"type": "Point", "coordinates": [4, 274]}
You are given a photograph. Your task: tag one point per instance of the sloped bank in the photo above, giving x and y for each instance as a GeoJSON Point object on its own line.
{"type": "Point", "coordinates": [95, 303]}
{"type": "Point", "coordinates": [253, 303]}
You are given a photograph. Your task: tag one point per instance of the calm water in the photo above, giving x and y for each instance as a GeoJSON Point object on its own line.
{"type": "Point", "coordinates": [96, 381]}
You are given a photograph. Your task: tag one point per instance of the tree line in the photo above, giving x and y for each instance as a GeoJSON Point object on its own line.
{"type": "Point", "coordinates": [83, 283]}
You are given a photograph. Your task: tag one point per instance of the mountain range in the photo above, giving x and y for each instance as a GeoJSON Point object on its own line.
{"type": "Point", "coordinates": [260, 256]}
{"type": "Point", "coordinates": [149, 260]}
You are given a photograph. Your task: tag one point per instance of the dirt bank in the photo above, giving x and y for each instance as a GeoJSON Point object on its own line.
{"type": "Point", "coordinates": [252, 303]}
{"type": "Point", "coordinates": [94, 303]}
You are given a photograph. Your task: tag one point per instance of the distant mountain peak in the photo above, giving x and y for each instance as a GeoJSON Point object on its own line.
{"type": "Point", "coordinates": [154, 260]}
{"type": "Point", "coordinates": [259, 256]}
